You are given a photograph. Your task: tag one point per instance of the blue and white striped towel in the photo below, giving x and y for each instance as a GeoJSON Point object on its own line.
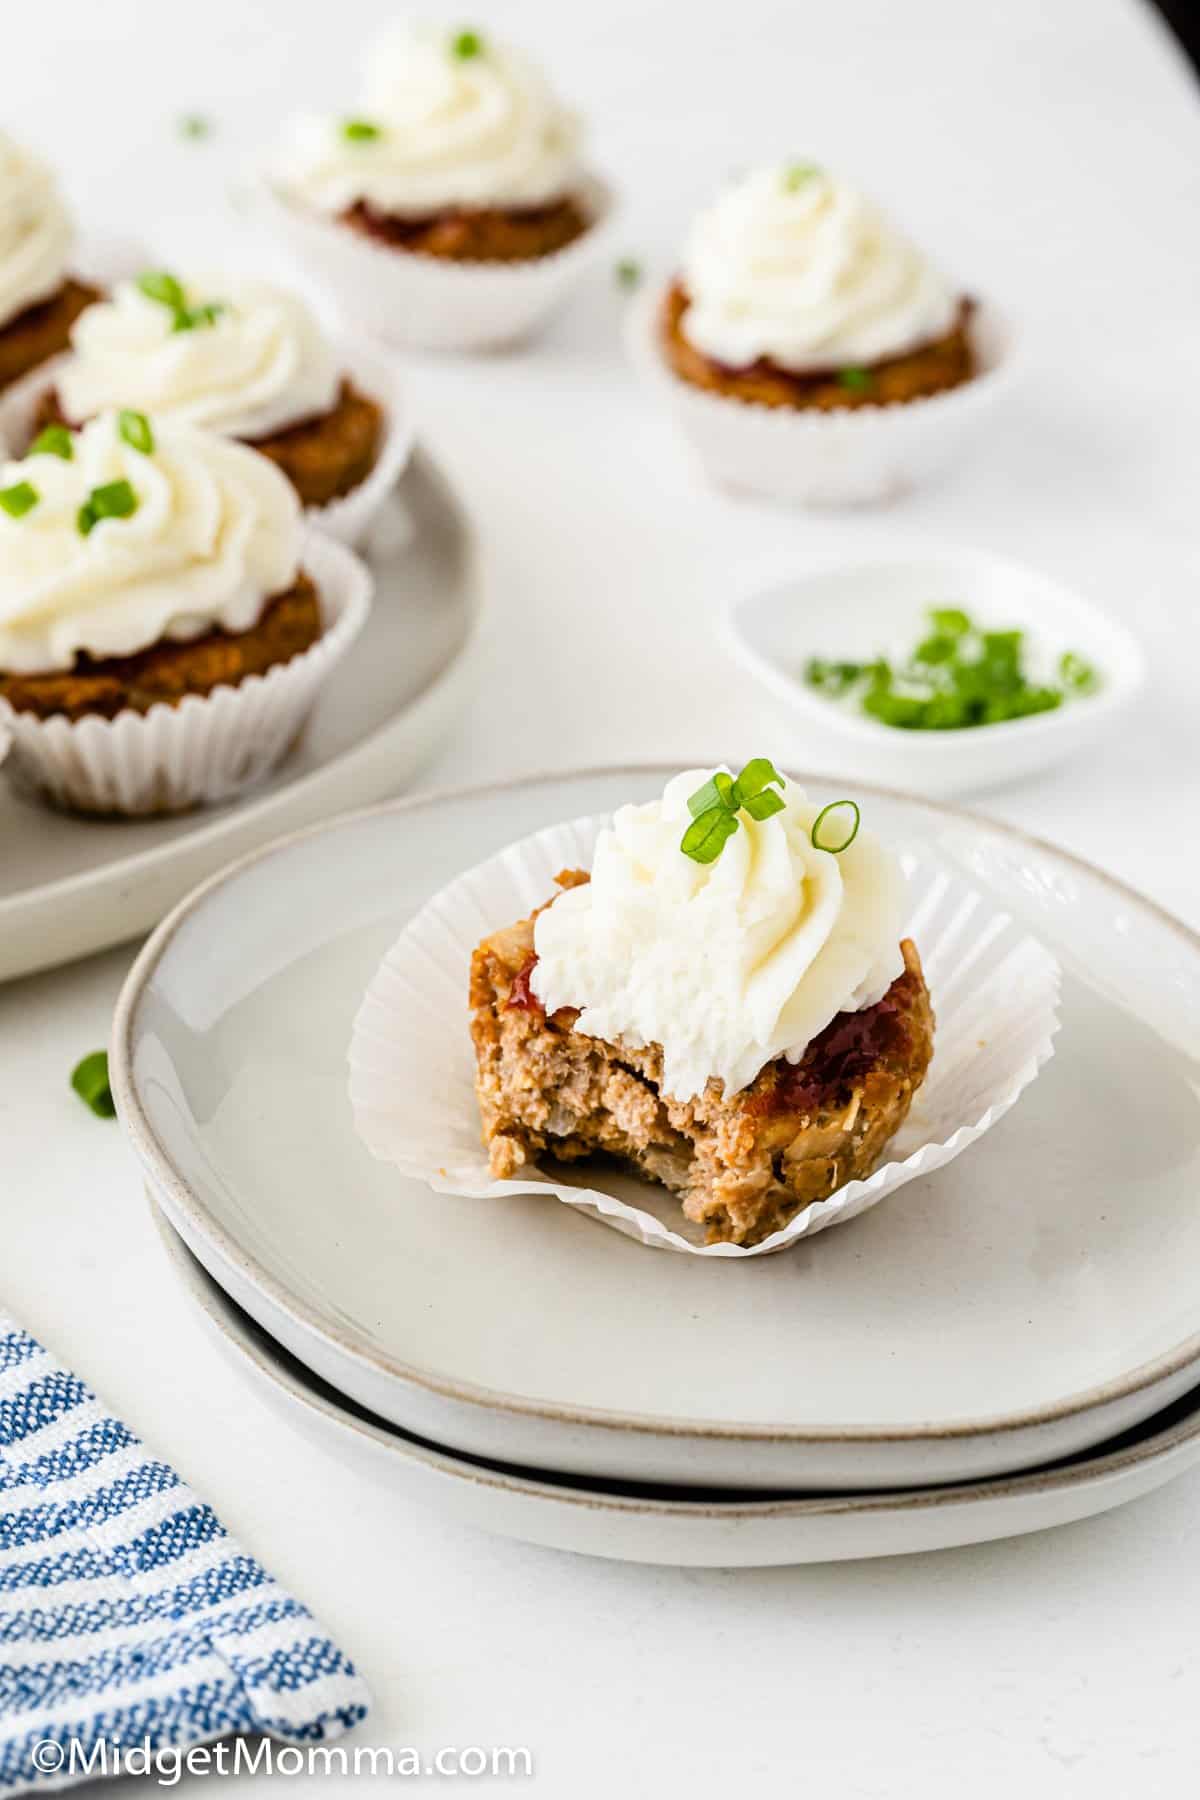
{"type": "Point", "coordinates": [126, 1610]}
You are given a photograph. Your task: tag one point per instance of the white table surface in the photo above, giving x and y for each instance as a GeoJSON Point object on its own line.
{"type": "Point", "coordinates": [1052, 153]}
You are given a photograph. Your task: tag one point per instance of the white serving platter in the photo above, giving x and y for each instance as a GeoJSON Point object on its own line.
{"type": "Point", "coordinates": [71, 885]}
{"type": "Point", "coordinates": [1038, 1296]}
{"type": "Point", "coordinates": [704, 1529]}
{"type": "Point", "coordinates": [852, 608]}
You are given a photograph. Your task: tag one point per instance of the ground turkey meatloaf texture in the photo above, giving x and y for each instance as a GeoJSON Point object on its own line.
{"type": "Point", "coordinates": [323, 458]}
{"type": "Point", "coordinates": [476, 234]}
{"type": "Point", "coordinates": [932, 368]}
{"type": "Point", "coordinates": [169, 670]}
{"type": "Point", "coordinates": [41, 331]}
{"type": "Point", "coordinates": [741, 1167]}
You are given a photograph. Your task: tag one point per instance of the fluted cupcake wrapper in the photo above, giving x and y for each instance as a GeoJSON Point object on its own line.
{"type": "Point", "coordinates": [849, 457]}
{"type": "Point", "coordinates": [994, 990]}
{"type": "Point", "coordinates": [427, 302]}
{"type": "Point", "coordinates": [208, 747]}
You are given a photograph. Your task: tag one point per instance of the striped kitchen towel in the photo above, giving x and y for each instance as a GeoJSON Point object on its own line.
{"type": "Point", "coordinates": [127, 1612]}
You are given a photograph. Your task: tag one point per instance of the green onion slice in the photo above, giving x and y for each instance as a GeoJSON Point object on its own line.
{"type": "Point", "coordinates": [857, 381]}
{"type": "Point", "coordinates": [361, 131]}
{"type": "Point", "coordinates": [89, 1078]}
{"type": "Point", "coordinates": [19, 499]}
{"type": "Point", "coordinates": [841, 830]}
{"type": "Point", "coordinates": [134, 427]}
{"type": "Point", "coordinates": [708, 834]}
{"type": "Point", "coordinates": [156, 284]}
{"type": "Point", "coordinates": [54, 440]}
{"type": "Point", "coordinates": [466, 44]}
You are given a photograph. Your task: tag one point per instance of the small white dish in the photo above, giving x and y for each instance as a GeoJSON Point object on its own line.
{"type": "Point", "coordinates": [853, 608]}
{"type": "Point", "coordinates": [1024, 1303]}
{"type": "Point", "coordinates": [704, 1529]}
{"type": "Point", "coordinates": [851, 457]}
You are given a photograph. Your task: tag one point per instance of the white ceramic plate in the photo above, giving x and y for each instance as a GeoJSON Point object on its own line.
{"type": "Point", "coordinates": [714, 1529]}
{"type": "Point", "coordinates": [851, 609]}
{"type": "Point", "coordinates": [1038, 1295]}
{"type": "Point", "coordinates": [69, 886]}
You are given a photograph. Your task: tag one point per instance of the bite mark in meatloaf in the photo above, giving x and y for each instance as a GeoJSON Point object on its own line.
{"type": "Point", "coordinates": [741, 1167]}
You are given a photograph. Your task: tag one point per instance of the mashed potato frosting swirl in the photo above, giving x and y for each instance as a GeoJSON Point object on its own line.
{"type": "Point", "coordinates": [252, 360]}
{"type": "Point", "coordinates": [726, 965]}
{"type": "Point", "coordinates": [36, 233]}
{"type": "Point", "coordinates": [445, 120]}
{"type": "Point", "coordinates": [111, 548]}
{"type": "Point", "coordinates": [795, 266]}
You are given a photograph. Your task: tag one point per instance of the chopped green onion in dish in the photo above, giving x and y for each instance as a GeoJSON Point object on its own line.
{"type": "Point", "coordinates": [19, 499]}
{"type": "Point", "coordinates": [89, 1078]}
{"type": "Point", "coordinates": [956, 676]}
{"type": "Point", "coordinates": [54, 440]}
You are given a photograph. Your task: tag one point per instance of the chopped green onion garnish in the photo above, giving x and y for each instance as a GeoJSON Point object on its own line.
{"type": "Point", "coordinates": [195, 125]}
{"type": "Point", "coordinates": [113, 500]}
{"type": "Point", "coordinates": [134, 427]}
{"type": "Point", "coordinates": [628, 272]}
{"type": "Point", "coordinates": [839, 828]}
{"type": "Point", "coordinates": [54, 440]}
{"type": "Point", "coordinates": [856, 380]}
{"type": "Point", "coordinates": [466, 45]}
{"type": "Point", "coordinates": [715, 807]}
{"type": "Point", "coordinates": [361, 131]}
{"type": "Point", "coordinates": [19, 499]}
{"type": "Point", "coordinates": [89, 1078]}
{"type": "Point", "coordinates": [797, 174]}
{"type": "Point", "coordinates": [156, 284]}
{"type": "Point", "coordinates": [956, 676]}
{"type": "Point", "coordinates": [1077, 674]}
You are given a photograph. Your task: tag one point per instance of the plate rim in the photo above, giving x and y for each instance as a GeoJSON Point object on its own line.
{"type": "Point", "coordinates": [153, 856]}
{"type": "Point", "coordinates": [156, 1162]}
{"type": "Point", "coordinates": [1015, 1486]}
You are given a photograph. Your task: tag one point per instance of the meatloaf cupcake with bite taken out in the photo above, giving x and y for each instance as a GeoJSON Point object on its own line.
{"type": "Point", "coordinates": [161, 641]}
{"type": "Point", "coordinates": [39, 298]}
{"type": "Point", "coordinates": [239, 357]}
{"type": "Point", "coordinates": [725, 1003]}
{"type": "Point", "coordinates": [456, 166]}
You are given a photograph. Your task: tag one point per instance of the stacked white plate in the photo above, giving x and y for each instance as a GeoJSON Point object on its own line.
{"type": "Point", "coordinates": [1006, 1344]}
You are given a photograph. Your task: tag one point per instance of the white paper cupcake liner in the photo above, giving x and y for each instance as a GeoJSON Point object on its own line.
{"type": "Point", "coordinates": [208, 747]}
{"type": "Point", "coordinates": [429, 303]}
{"type": "Point", "coordinates": [851, 457]}
{"type": "Point", "coordinates": [347, 519]}
{"type": "Point", "coordinates": [994, 990]}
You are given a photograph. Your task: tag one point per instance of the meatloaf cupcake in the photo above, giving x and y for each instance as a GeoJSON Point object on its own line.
{"type": "Point", "coordinates": [811, 349]}
{"type": "Point", "coordinates": [161, 641]}
{"type": "Point", "coordinates": [39, 298]}
{"type": "Point", "coordinates": [449, 206]}
{"type": "Point", "coordinates": [718, 991]}
{"type": "Point", "coordinates": [239, 357]}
